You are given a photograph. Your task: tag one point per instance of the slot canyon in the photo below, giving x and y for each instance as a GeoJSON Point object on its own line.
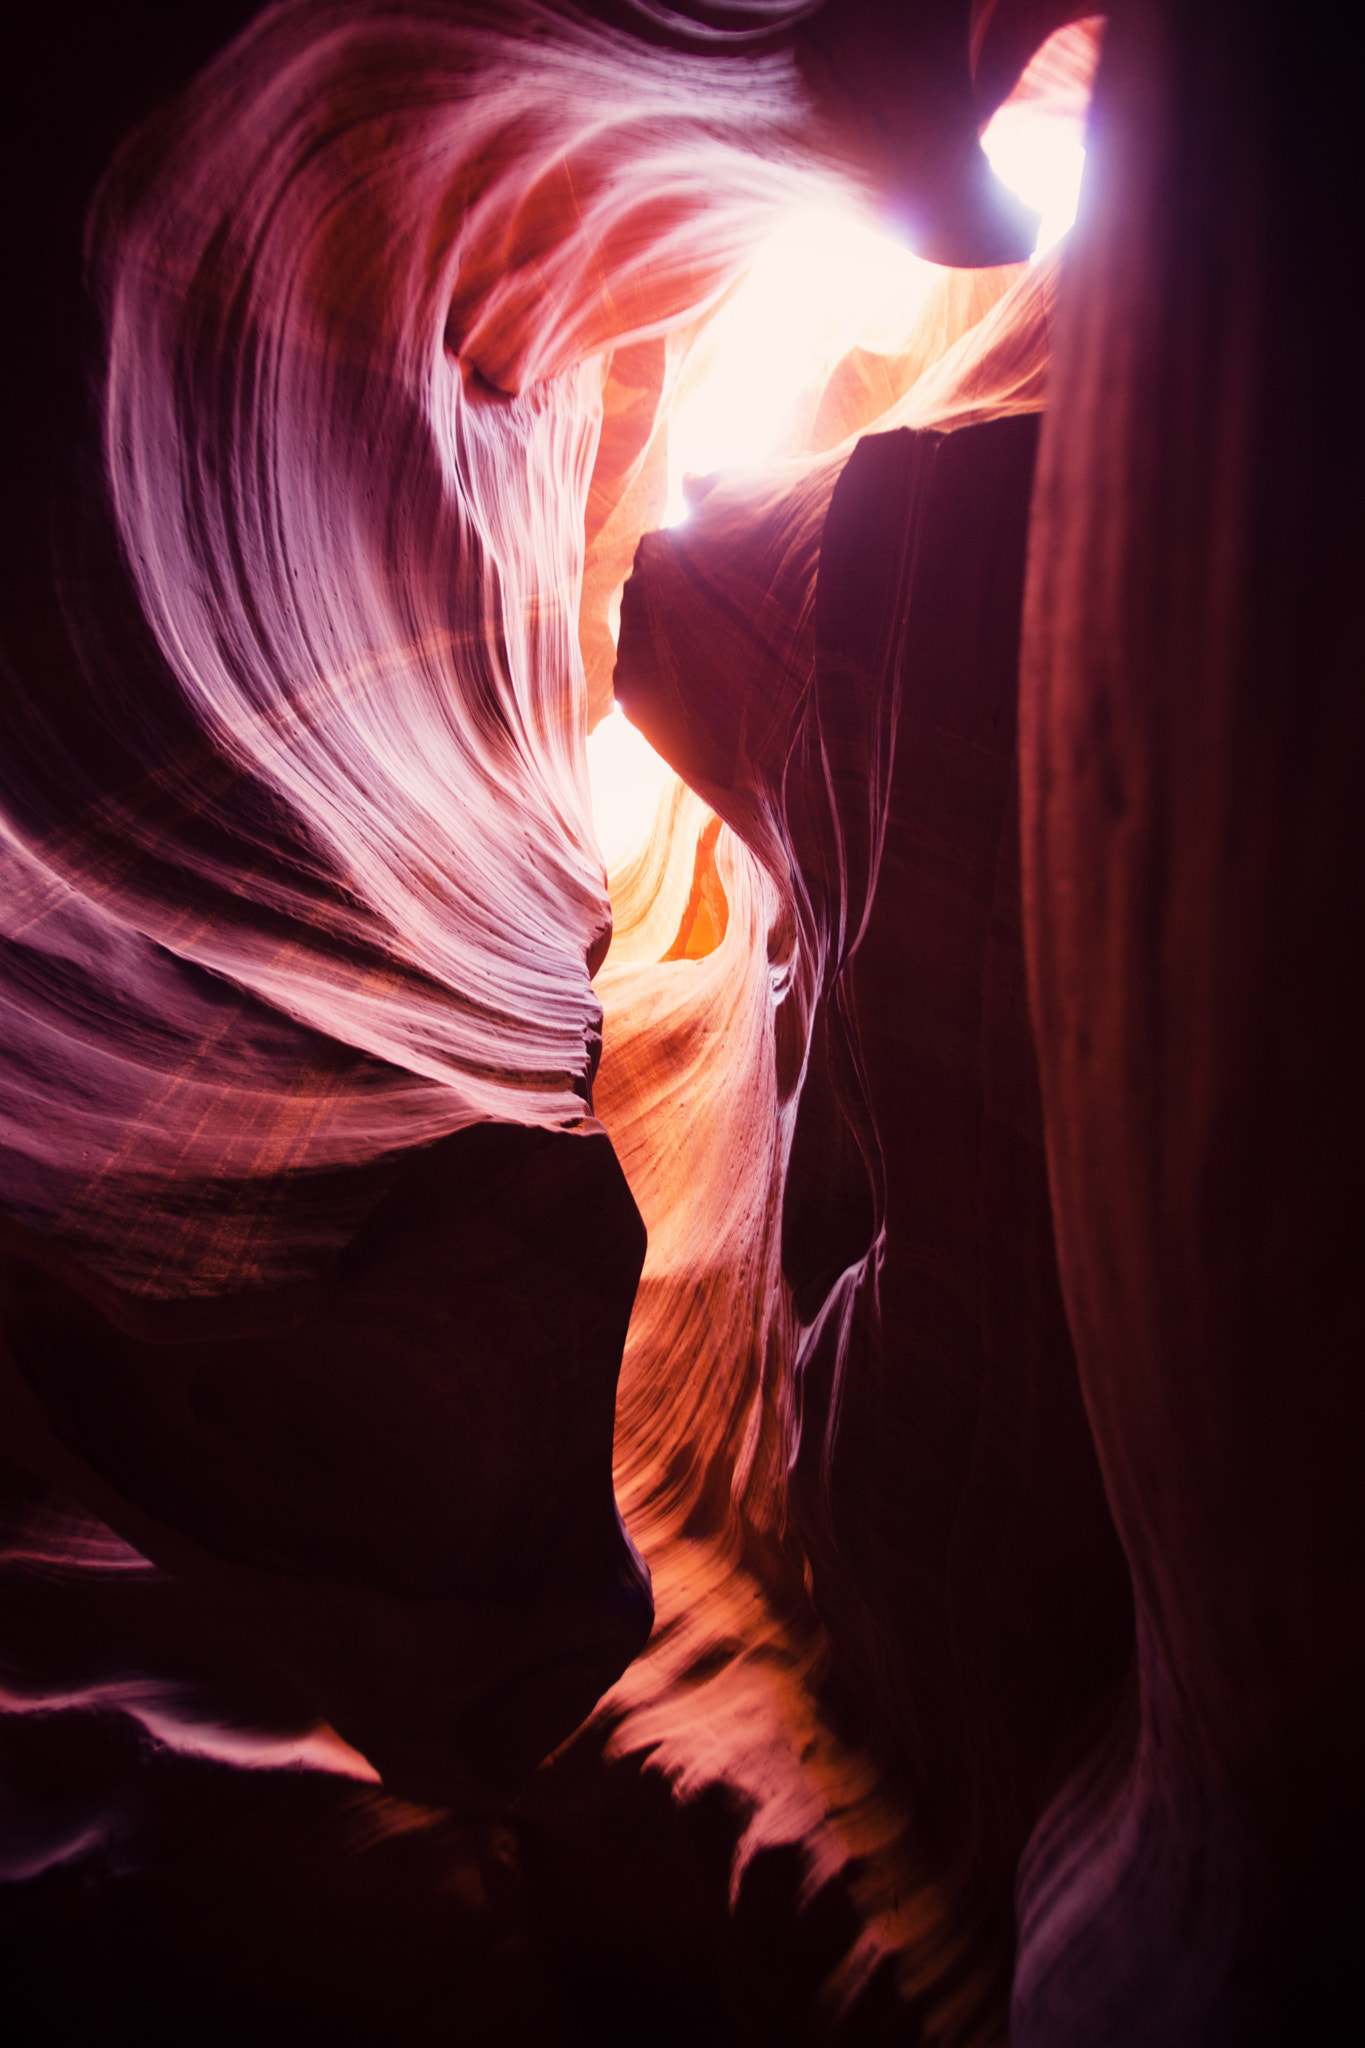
{"type": "Point", "coordinates": [680, 1117]}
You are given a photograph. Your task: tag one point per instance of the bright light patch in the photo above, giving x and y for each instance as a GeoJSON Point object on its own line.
{"type": "Point", "coordinates": [1036, 142]}
{"type": "Point", "coordinates": [627, 778]}
{"type": "Point", "coordinates": [825, 282]}
{"type": "Point", "coordinates": [1040, 157]}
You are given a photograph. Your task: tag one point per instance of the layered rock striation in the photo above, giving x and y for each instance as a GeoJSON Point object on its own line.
{"type": "Point", "coordinates": [836, 1333]}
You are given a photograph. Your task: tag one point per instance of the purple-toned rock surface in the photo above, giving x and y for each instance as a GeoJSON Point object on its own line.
{"type": "Point", "coordinates": [762, 1445]}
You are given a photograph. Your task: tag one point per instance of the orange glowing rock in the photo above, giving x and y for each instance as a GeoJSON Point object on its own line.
{"type": "Point", "coordinates": [433, 1208]}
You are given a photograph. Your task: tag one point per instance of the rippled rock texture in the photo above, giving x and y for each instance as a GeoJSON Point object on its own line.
{"type": "Point", "coordinates": [758, 1446]}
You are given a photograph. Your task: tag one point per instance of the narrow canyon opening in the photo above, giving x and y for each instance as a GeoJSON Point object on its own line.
{"type": "Point", "coordinates": [677, 1124]}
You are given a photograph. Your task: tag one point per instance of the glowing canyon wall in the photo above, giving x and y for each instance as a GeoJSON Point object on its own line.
{"type": "Point", "coordinates": [761, 1445]}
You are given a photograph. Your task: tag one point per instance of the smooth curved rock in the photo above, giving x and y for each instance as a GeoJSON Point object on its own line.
{"type": "Point", "coordinates": [978, 1610]}
{"type": "Point", "coordinates": [1191, 723]}
{"type": "Point", "coordinates": [396, 1477]}
{"type": "Point", "coordinates": [301, 897]}
{"type": "Point", "coordinates": [317, 1258]}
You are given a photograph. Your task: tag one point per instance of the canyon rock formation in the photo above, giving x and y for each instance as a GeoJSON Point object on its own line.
{"type": "Point", "coordinates": [760, 1445]}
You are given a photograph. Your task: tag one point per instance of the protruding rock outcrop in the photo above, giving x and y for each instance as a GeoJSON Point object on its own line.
{"type": "Point", "coordinates": [929, 1235]}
